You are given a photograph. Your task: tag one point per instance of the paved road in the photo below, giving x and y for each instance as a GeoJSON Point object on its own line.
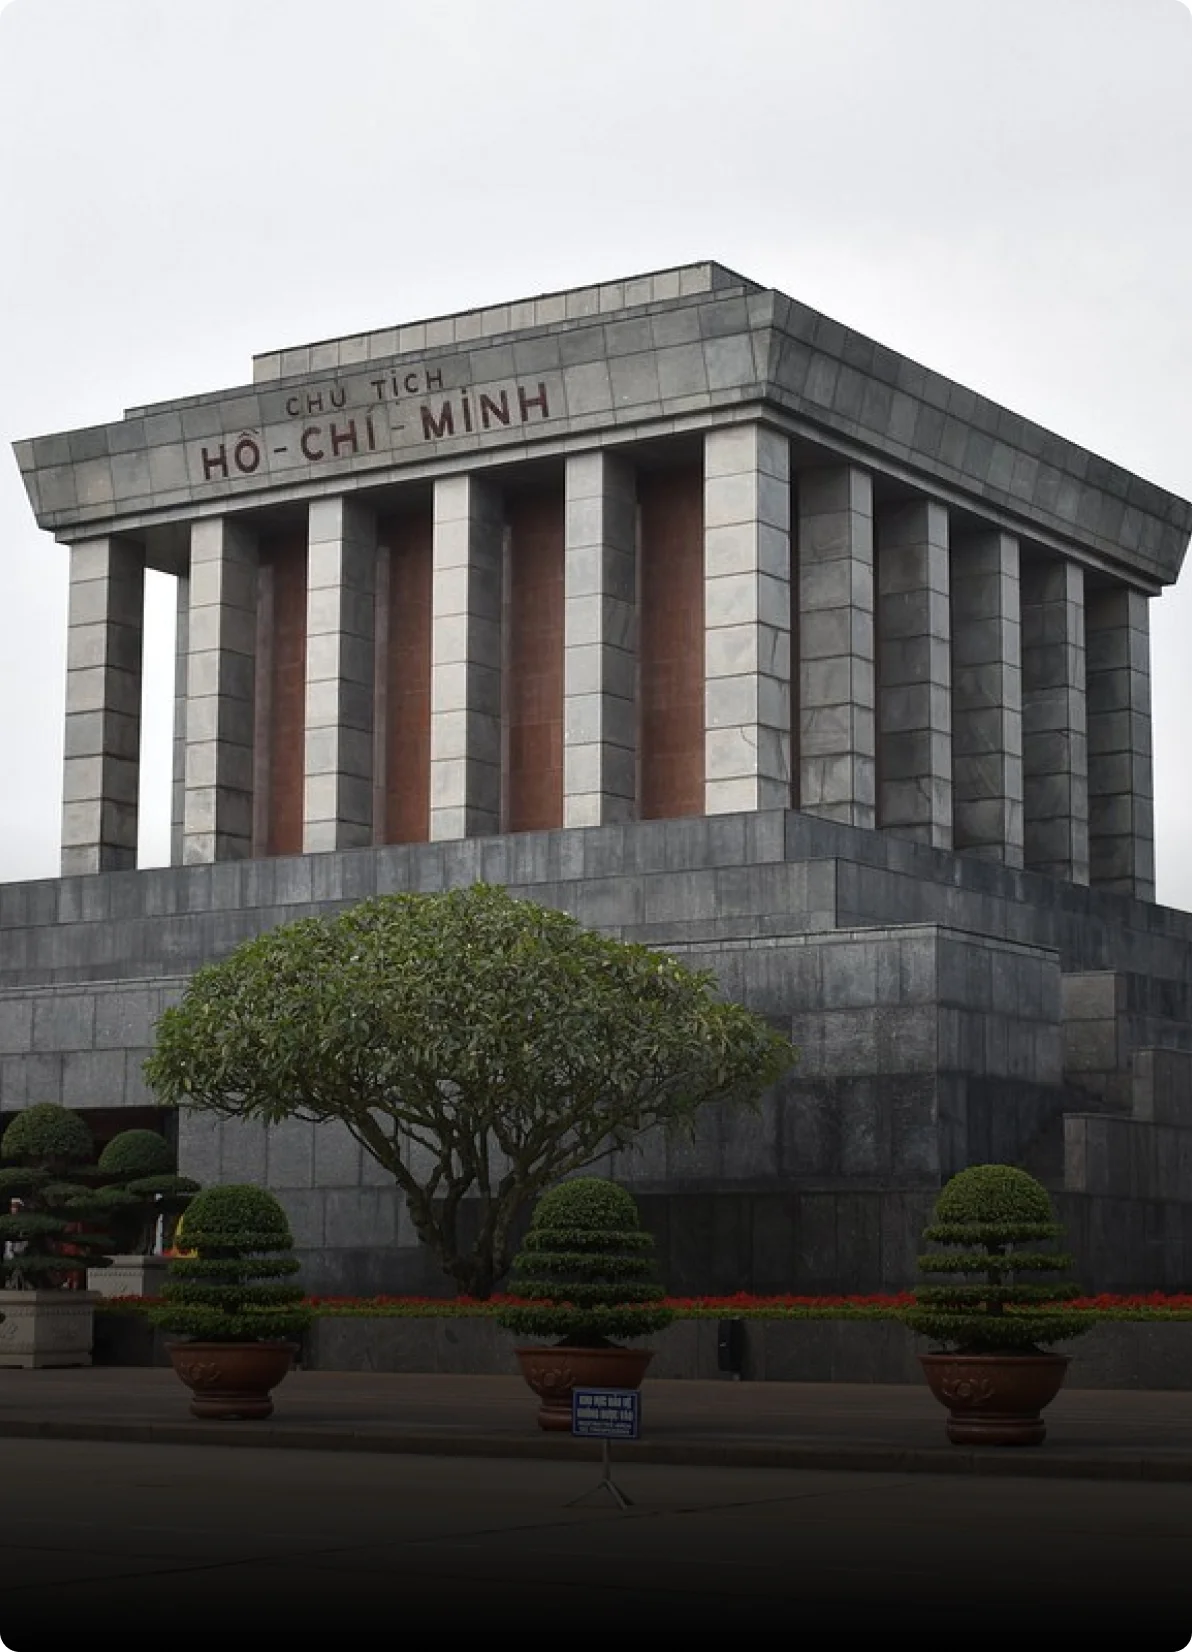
{"type": "Point", "coordinates": [701, 1424]}
{"type": "Point", "coordinates": [166, 1546]}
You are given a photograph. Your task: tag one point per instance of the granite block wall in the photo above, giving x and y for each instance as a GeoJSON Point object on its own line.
{"type": "Point", "coordinates": [946, 1011]}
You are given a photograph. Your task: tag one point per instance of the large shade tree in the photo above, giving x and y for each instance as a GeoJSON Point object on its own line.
{"type": "Point", "coordinates": [480, 1047]}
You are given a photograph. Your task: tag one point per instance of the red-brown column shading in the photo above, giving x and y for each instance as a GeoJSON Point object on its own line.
{"type": "Point", "coordinates": [407, 678]}
{"type": "Point", "coordinates": [671, 633]}
{"type": "Point", "coordinates": [284, 555]}
{"type": "Point", "coordinates": [534, 683]}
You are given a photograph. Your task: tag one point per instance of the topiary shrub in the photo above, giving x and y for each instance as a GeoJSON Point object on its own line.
{"type": "Point", "coordinates": [981, 1218]}
{"type": "Point", "coordinates": [583, 1274]}
{"type": "Point", "coordinates": [45, 1170]}
{"type": "Point", "coordinates": [230, 1289]}
{"type": "Point", "coordinates": [136, 1153]}
{"type": "Point", "coordinates": [50, 1135]}
{"type": "Point", "coordinates": [141, 1187]}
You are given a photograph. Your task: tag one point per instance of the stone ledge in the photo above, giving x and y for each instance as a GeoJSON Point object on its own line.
{"type": "Point", "coordinates": [1147, 1355]}
{"type": "Point", "coordinates": [1112, 1464]}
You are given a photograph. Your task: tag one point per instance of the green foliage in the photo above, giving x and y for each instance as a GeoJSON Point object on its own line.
{"type": "Point", "coordinates": [588, 1204]}
{"type": "Point", "coordinates": [19, 1179]}
{"type": "Point", "coordinates": [477, 1046]}
{"type": "Point", "coordinates": [981, 1216]}
{"type": "Point", "coordinates": [49, 1136]}
{"type": "Point", "coordinates": [236, 1220]}
{"type": "Point", "coordinates": [163, 1188]}
{"type": "Point", "coordinates": [584, 1271]}
{"type": "Point", "coordinates": [136, 1153]}
{"type": "Point", "coordinates": [234, 1289]}
{"type": "Point", "coordinates": [233, 1267]}
{"type": "Point", "coordinates": [991, 1195]}
{"type": "Point", "coordinates": [141, 1187]}
{"type": "Point", "coordinates": [48, 1151]}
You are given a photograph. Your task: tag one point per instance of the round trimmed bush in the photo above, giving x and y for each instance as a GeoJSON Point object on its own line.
{"type": "Point", "coordinates": [137, 1153]}
{"type": "Point", "coordinates": [981, 1219]}
{"type": "Point", "coordinates": [233, 1287]}
{"type": "Point", "coordinates": [236, 1218]}
{"type": "Point", "coordinates": [584, 1272]}
{"type": "Point", "coordinates": [48, 1134]}
{"type": "Point", "coordinates": [990, 1195]}
{"type": "Point", "coordinates": [588, 1203]}
{"type": "Point", "coordinates": [142, 1188]}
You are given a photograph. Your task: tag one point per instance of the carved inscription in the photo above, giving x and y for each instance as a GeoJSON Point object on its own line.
{"type": "Point", "coordinates": [349, 418]}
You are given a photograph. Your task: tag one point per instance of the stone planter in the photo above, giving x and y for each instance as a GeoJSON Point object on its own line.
{"type": "Point", "coordinates": [232, 1381]}
{"type": "Point", "coordinates": [43, 1328]}
{"type": "Point", "coordinates": [129, 1276]}
{"type": "Point", "coordinates": [554, 1371]}
{"type": "Point", "coordinates": [995, 1399]}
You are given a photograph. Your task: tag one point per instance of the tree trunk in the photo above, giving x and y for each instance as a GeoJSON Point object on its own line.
{"type": "Point", "coordinates": [473, 1276]}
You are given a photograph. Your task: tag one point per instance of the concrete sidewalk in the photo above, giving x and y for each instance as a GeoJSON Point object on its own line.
{"type": "Point", "coordinates": [1092, 1434]}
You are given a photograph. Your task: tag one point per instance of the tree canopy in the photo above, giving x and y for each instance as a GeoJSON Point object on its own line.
{"type": "Point", "coordinates": [478, 1046]}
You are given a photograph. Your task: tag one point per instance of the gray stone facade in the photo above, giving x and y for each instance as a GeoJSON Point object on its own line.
{"type": "Point", "coordinates": [947, 1011]}
{"type": "Point", "coordinates": [926, 842]}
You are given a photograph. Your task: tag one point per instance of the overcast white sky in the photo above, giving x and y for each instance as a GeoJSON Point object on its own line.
{"type": "Point", "coordinates": [1000, 189]}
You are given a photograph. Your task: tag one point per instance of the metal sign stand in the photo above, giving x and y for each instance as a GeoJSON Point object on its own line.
{"type": "Point", "coordinates": [605, 1414]}
{"type": "Point", "coordinates": [607, 1483]}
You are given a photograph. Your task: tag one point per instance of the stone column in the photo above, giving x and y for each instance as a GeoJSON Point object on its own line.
{"type": "Point", "coordinates": [1121, 782]}
{"type": "Point", "coordinates": [217, 820]}
{"type": "Point", "coordinates": [600, 642]}
{"type": "Point", "coordinates": [1054, 743]}
{"type": "Point", "coordinates": [747, 604]}
{"type": "Point", "coordinates": [340, 675]}
{"type": "Point", "coordinates": [103, 706]}
{"type": "Point", "coordinates": [180, 668]}
{"type": "Point", "coordinates": [466, 722]}
{"type": "Point", "coordinates": [986, 698]}
{"type": "Point", "coordinates": [914, 674]}
{"type": "Point", "coordinates": [837, 739]}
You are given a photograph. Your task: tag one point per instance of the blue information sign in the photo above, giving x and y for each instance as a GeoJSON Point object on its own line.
{"type": "Point", "coordinates": [606, 1413]}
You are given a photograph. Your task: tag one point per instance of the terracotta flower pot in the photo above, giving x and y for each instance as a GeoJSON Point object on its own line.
{"type": "Point", "coordinates": [231, 1380]}
{"type": "Point", "coordinates": [552, 1372]}
{"type": "Point", "coordinates": [995, 1399]}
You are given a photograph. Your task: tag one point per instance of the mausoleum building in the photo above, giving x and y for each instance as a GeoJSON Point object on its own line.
{"type": "Point", "coordinates": [677, 605]}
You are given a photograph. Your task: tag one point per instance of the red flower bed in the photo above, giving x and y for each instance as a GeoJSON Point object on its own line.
{"type": "Point", "coordinates": [742, 1305]}
{"type": "Point", "coordinates": [1160, 1302]}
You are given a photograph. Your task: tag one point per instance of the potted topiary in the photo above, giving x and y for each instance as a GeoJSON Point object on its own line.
{"type": "Point", "coordinates": [229, 1298]}
{"type": "Point", "coordinates": [143, 1196]}
{"type": "Point", "coordinates": [996, 1377]}
{"type": "Point", "coordinates": [583, 1275]}
{"type": "Point", "coordinates": [46, 1155]}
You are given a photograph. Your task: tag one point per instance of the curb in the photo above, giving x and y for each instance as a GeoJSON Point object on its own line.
{"type": "Point", "coordinates": [1123, 1464]}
